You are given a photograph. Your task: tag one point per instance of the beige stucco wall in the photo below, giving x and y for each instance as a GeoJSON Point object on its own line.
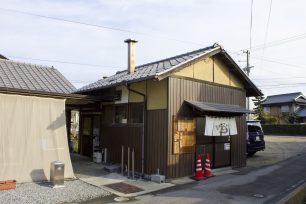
{"type": "Point", "coordinates": [212, 70]}
{"type": "Point", "coordinates": [156, 92]}
{"type": "Point", "coordinates": [140, 87]}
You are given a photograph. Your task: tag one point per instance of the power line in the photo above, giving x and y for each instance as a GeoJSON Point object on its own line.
{"type": "Point", "coordinates": [277, 78]}
{"type": "Point", "coordinates": [251, 23]}
{"type": "Point", "coordinates": [100, 26]}
{"type": "Point", "coordinates": [280, 41]}
{"type": "Point", "coordinates": [280, 84]}
{"type": "Point", "coordinates": [66, 62]}
{"type": "Point", "coordinates": [266, 33]}
{"type": "Point", "coordinates": [274, 43]}
{"type": "Point", "coordinates": [268, 23]}
{"type": "Point", "coordinates": [279, 62]}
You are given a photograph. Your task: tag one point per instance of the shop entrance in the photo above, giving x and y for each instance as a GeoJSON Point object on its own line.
{"type": "Point", "coordinates": [217, 147]}
{"type": "Point", "coordinates": [90, 134]}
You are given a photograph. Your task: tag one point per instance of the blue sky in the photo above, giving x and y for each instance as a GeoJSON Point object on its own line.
{"type": "Point", "coordinates": [160, 27]}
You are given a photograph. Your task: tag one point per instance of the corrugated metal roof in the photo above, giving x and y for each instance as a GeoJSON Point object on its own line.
{"type": "Point", "coordinates": [217, 107]}
{"type": "Point", "coordinates": [147, 71]}
{"type": "Point", "coordinates": [30, 77]}
{"type": "Point", "coordinates": [283, 98]}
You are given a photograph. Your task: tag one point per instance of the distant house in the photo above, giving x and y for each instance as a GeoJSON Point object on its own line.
{"type": "Point", "coordinates": [160, 109]}
{"type": "Point", "coordinates": [33, 101]}
{"type": "Point", "coordinates": [290, 103]}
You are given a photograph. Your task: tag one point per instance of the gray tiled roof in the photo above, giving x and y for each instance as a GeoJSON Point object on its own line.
{"type": "Point", "coordinates": [217, 107]}
{"type": "Point", "coordinates": [146, 71]}
{"type": "Point", "coordinates": [30, 77]}
{"type": "Point", "coordinates": [282, 98]}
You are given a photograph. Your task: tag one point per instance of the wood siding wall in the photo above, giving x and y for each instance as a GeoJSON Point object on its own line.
{"type": "Point", "coordinates": [156, 141]}
{"type": "Point", "coordinates": [113, 137]}
{"type": "Point", "coordinates": [181, 89]}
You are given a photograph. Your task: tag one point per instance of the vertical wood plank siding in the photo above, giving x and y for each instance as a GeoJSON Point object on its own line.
{"type": "Point", "coordinates": [113, 137]}
{"type": "Point", "coordinates": [181, 89]}
{"type": "Point", "coordinates": [156, 141]}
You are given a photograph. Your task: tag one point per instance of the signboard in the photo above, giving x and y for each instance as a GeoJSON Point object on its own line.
{"type": "Point", "coordinates": [227, 146]}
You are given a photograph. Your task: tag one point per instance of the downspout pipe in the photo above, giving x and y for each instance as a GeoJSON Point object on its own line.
{"type": "Point", "coordinates": [143, 126]}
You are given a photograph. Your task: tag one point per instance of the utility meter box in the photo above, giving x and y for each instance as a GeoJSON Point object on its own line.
{"type": "Point", "coordinates": [57, 169]}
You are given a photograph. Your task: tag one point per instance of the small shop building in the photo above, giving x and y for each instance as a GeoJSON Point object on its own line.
{"type": "Point", "coordinates": [169, 111]}
{"type": "Point", "coordinates": [33, 100]}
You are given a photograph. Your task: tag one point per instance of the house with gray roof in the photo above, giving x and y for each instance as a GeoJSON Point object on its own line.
{"type": "Point", "coordinates": [158, 110]}
{"type": "Point", "coordinates": [286, 104]}
{"type": "Point", "coordinates": [34, 100]}
{"type": "Point", "coordinates": [26, 77]}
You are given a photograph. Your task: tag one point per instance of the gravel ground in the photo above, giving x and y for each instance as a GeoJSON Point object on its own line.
{"type": "Point", "coordinates": [74, 191]}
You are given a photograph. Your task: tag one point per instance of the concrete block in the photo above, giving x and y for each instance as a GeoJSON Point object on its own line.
{"type": "Point", "coordinates": [158, 178]}
{"type": "Point", "coordinates": [113, 168]}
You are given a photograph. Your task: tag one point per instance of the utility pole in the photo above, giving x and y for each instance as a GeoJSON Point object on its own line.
{"type": "Point", "coordinates": [247, 70]}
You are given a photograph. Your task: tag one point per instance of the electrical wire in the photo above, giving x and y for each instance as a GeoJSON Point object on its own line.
{"type": "Point", "coordinates": [266, 34]}
{"type": "Point", "coordinates": [100, 26]}
{"type": "Point", "coordinates": [280, 62]}
{"type": "Point", "coordinates": [251, 24]}
{"type": "Point", "coordinates": [67, 62]}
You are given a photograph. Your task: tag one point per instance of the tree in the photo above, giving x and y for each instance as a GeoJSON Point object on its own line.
{"type": "Point", "coordinates": [258, 107]}
{"type": "Point", "coordinates": [289, 118]}
{"type": "Point", "coordinates": [269, 119]}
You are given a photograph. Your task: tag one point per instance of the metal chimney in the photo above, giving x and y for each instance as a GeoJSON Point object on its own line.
{"type": "Point", "coordinates": [131, 55]}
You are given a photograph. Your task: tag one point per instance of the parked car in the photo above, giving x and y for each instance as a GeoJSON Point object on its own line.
{"type": "Point", "coordinates": [255, 137]}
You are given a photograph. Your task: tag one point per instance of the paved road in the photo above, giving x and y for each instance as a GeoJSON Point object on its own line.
{"type": "Point", "coordinates": [265, 185]}
{"type": "Point", "coordinates": [270, 175]}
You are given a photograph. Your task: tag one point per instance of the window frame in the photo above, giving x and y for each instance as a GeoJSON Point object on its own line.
{"type": "Point", "coordinates": [287, 110]}
{"type": "Point", "coordinates": [266, 109]}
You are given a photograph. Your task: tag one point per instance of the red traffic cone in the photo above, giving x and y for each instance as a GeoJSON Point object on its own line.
{"type": "Point", "coordinates": [207, 171]}
{"type": "Point", "coordinates": [198, 172]}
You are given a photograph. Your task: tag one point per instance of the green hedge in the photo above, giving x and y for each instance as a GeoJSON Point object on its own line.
{"type": "Point", "coordinates": [291, 129]}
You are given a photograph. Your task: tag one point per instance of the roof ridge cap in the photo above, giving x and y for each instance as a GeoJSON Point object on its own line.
{"type": "Point", "coordinates": [29, 63]}
{"type": "Point", "coordinates": [175, 56]}
{"type": "Point", "coordinates": [286, 94]}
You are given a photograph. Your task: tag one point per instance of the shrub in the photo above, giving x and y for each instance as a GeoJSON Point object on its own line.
{"type": "Point", "coordinates": [290, 129]}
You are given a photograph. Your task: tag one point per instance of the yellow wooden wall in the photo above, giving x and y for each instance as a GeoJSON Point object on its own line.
{"type": "Point", "coordinates": [212, 70]}
{"type": "Point", "coordinates": [156, 92]}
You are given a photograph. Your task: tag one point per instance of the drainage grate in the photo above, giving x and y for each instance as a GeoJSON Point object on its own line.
{"type": "Point", "coordinates": [124, 188]}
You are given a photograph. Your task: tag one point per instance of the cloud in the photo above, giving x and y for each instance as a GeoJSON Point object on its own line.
{"type": "Point", "coordinates": [163, 24]}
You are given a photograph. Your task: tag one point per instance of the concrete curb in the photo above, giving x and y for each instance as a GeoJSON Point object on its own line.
{"type": "Point", "coordinates": [296, 196]}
